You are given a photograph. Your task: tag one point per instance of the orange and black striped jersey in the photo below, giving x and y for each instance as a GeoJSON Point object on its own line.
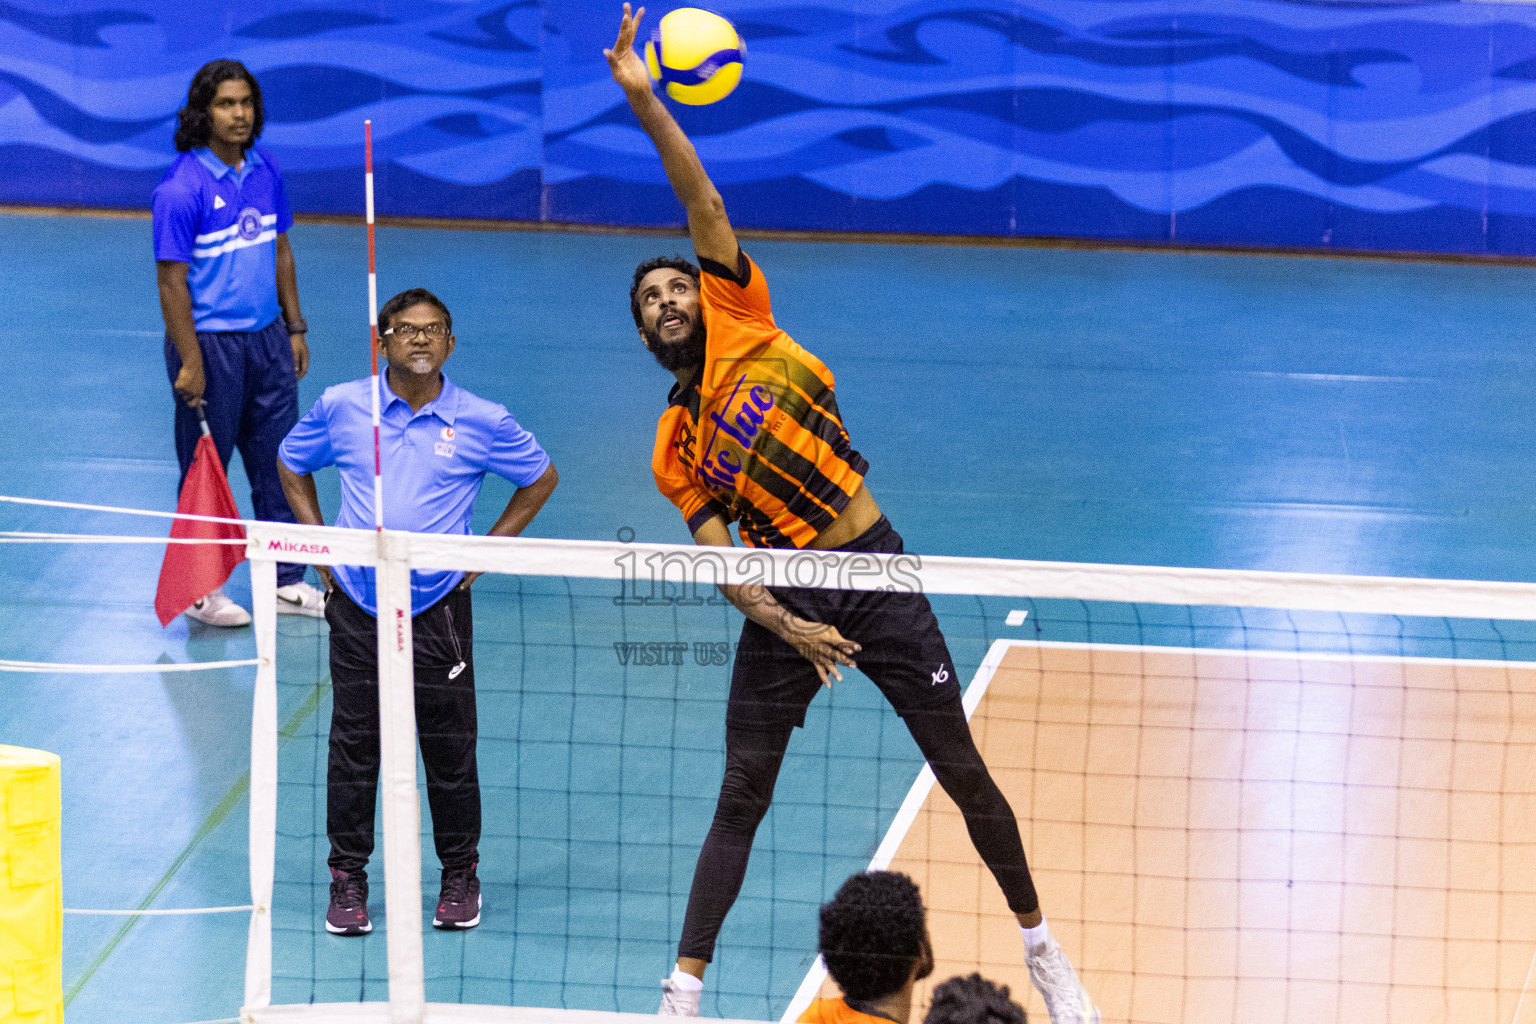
{"type": "Point", "coordinates": [837, 1011]}
{"type": "Point", "coordinates": [756, 436]}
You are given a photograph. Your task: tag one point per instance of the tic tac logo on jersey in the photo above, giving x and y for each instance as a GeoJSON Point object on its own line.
{"type": "Point", "coordinates": [718, 467]}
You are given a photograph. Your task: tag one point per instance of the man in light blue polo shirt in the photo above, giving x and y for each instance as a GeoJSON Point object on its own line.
{"type": "Point", "coordinates": [234, 336]}
{"type": "Point", "coordinates": [437, 442]}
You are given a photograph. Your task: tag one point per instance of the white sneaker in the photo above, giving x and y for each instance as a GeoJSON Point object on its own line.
{"type": "Point", "coordinates": [301, 599]}
{"type": "Point", "coordinates": [218, 610]}
{"type": "Point", "coordinates": [1066, 1000]}
{"type": "Point", "coordinates": [677, 1003]}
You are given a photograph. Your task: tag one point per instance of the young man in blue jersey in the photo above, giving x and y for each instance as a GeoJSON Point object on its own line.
{"type": "Point", "coordinates": [234, 336]}
{"type": "Point", "coordinates": [437, 442]}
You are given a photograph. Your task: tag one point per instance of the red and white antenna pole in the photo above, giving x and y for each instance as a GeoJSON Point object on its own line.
{"type": "Point", "coordinates": [373, 328]}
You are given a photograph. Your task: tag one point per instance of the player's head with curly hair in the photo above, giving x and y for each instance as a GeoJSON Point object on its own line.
{"type": "Point", "coordinates": [874, 935]}
{"type": "Point", "coordinates": [195, 121]}
{"type": "Point", "coordinates": [664, 300]}
{"type": "Point", "coordinates": [972, 999]}
{"type": "Point", "coordinates": [677, 263]}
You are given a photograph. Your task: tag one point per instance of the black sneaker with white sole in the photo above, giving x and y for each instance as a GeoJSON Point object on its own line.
{"type": "Point", "coordinates": [458, 906]}
{"type": "Point", "coordinates": [348, 913]}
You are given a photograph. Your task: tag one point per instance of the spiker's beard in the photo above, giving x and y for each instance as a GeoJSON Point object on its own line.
{"type": "Point", "coordinates": [688, 352]}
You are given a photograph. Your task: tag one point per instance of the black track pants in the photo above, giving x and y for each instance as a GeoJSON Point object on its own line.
{"type": "Point", "coordinates": [445, 725]}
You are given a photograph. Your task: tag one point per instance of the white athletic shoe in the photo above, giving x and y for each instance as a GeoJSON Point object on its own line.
{"type": "Point", "coordinates": [218, 610]}
{"type": "Point", "coordinates": [677, 1003]}
{"type": "Point", "coordinates": [1066, 1000]}
{"type": "Point", "coordinates": [301, 599]}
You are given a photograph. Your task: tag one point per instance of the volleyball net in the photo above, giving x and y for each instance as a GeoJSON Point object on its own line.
{"type": "Point", "coordinates": [1245, 796]}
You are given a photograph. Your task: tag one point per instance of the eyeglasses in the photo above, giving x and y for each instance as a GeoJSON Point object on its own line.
{"type": "Point", "coordinates": [408, 332]}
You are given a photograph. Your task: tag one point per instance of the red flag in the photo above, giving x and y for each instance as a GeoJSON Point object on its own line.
{"type": "Point", "coordinates": [192, 571]}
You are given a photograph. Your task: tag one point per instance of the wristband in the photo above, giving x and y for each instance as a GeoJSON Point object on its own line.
{"type": "Point", "coordinates": [299, 326]}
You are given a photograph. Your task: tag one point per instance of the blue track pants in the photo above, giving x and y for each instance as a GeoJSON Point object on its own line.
{"type": "Point", "coordinates": [251, 402]}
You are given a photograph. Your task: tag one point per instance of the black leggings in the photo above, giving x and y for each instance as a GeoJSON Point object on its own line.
{"type": "Point", "coordinates": [752, 761]}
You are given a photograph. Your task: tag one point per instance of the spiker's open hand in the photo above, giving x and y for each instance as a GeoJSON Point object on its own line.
{"type": "Point", "coordinates": [627, 67]}
{"type": "Point", "coordinates": [822, 645]}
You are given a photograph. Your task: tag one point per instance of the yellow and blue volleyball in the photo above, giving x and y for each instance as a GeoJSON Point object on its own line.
{"type": "Point", "coordinates": [696, 54]}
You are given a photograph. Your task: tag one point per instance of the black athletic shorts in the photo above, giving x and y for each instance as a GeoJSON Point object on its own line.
{"type": "Point", "coordinates": [903, 651]}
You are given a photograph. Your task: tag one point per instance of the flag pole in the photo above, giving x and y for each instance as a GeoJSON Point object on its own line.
{"type": "Point", "coordinates": [373, 328]}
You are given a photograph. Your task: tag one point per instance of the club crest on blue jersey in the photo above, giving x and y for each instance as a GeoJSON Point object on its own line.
{"type": "Point", "coordinates": [249, 223]}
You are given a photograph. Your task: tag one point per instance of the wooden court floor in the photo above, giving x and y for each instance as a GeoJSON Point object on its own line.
{"type": "Point", "coordinates": [1247, 837]}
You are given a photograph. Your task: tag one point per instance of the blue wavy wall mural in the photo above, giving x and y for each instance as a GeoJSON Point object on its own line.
{"type": "Point", "coordinates": [1366, 124]}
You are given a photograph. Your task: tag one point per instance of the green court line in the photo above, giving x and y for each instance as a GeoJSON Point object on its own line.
{"type": "Point", "coordinates": [216, 816]}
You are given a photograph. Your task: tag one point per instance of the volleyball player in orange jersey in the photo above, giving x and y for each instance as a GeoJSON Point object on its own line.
{"type": "Point", "coordinates": [874, 942]}
{"type": "Point", "coordinates": [752, 434]}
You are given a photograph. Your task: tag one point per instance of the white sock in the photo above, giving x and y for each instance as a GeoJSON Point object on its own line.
{"type": "Point", "coordinates": [1036, 936]}
{"type": "Point", "coordinates": [686, 982]}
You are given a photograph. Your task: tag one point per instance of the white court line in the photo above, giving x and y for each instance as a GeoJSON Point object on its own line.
{"type": "Point", "coordinates": [902, 824]}
{"type": "Point", "coordinates": [1073, 645]}
{"type": "Point", "coordinates": [1525, 990]}
{"type": "Point", "coordinates": [149, 913]}
{"type": "Point", "coordinates": [169, 666]}
{"type": "Point", "coordinates": [445, 1013]}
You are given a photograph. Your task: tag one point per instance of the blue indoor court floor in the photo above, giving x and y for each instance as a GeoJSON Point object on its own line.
{"type": "Point", "coordinates": [1229, 411]}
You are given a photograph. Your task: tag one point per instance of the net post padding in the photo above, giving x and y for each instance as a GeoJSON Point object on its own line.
{"type": "Point", "coordinates": [263, 830]}
{"type": "Point", "coordinates": [402, 803]}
